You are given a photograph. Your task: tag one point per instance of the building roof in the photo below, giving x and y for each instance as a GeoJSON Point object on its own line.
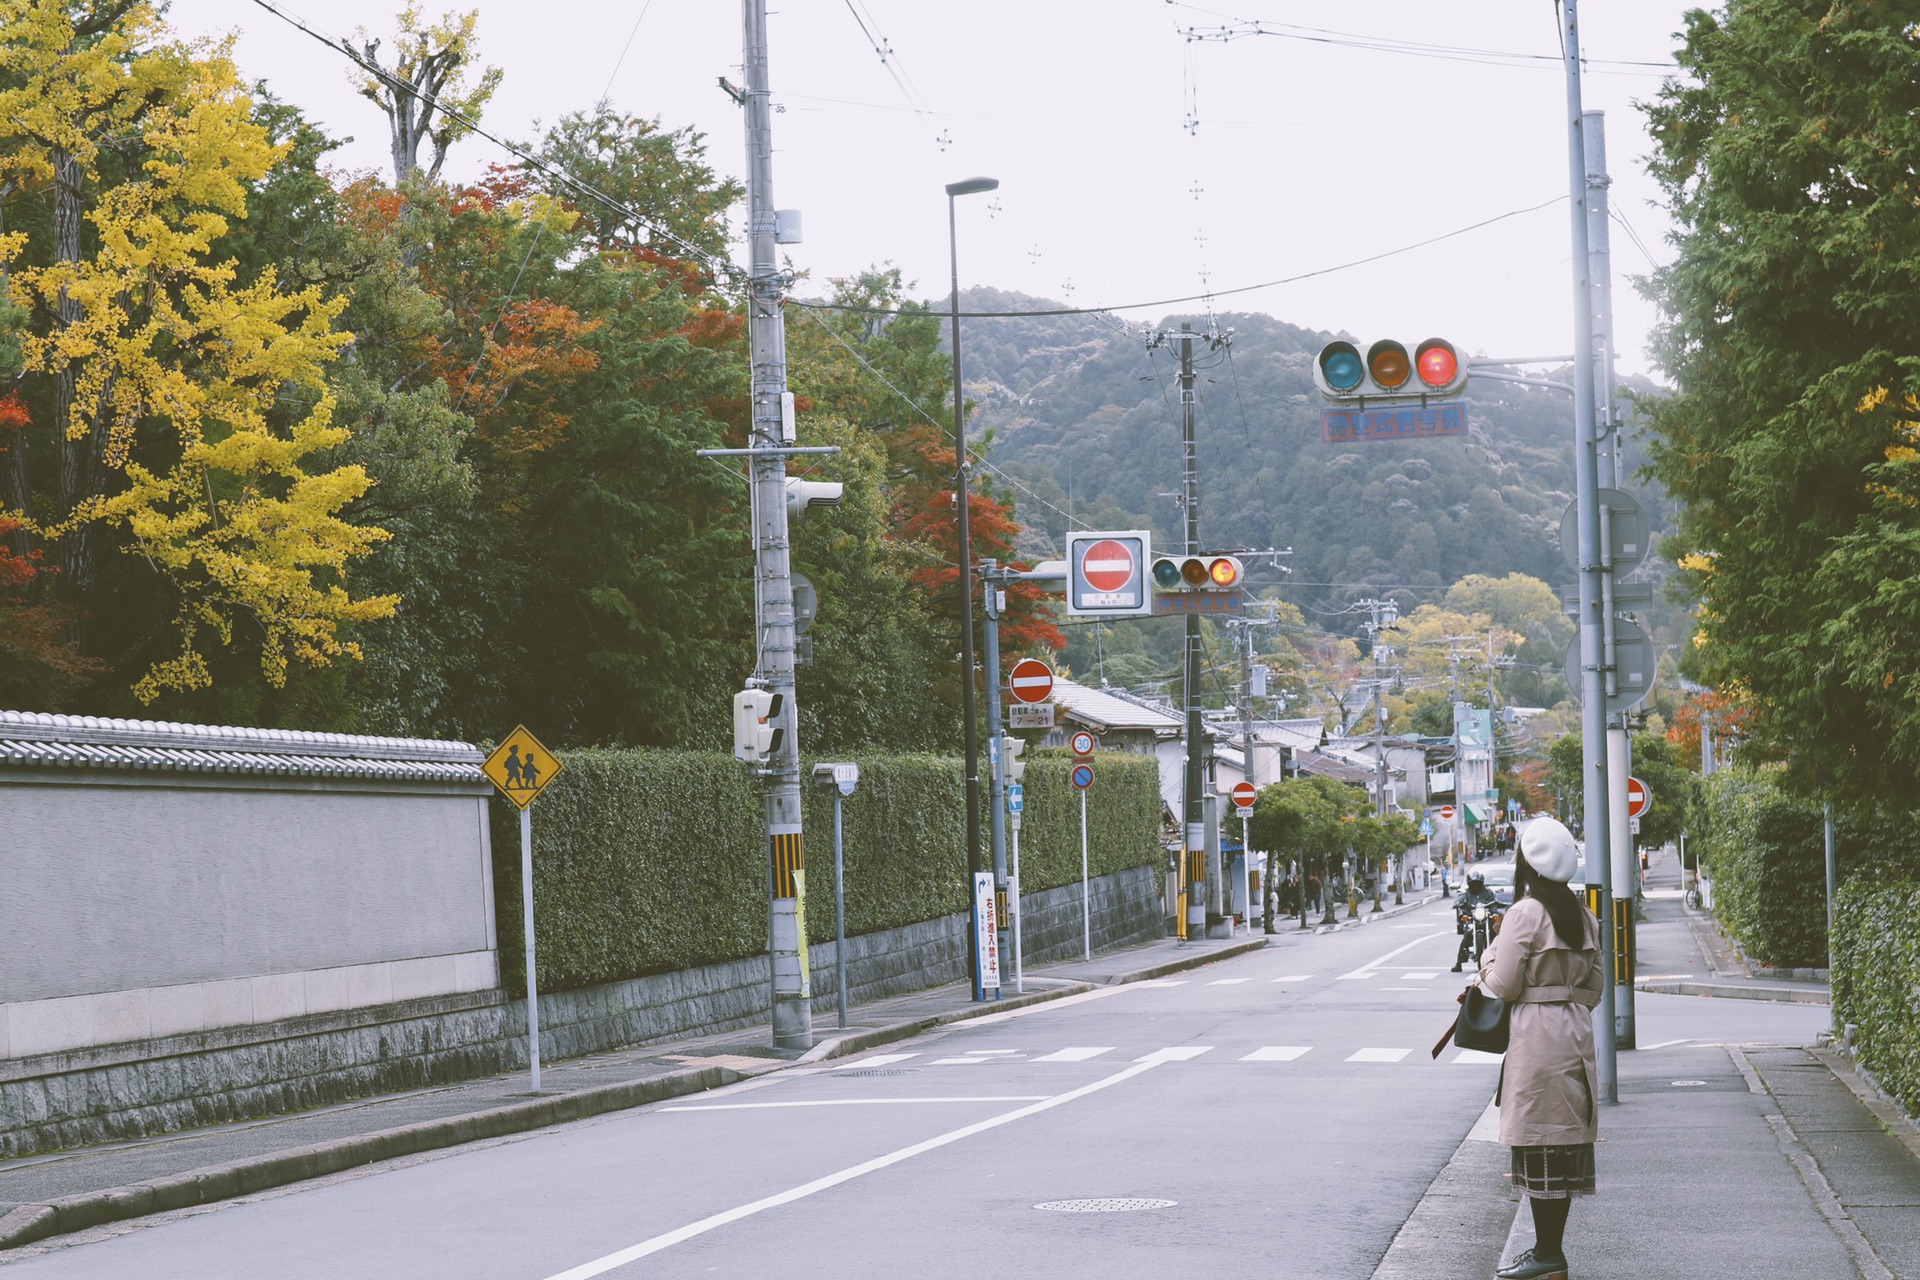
{"type": "Point", "coordinates": [1110, 709]}
{"type": "Point", "coordinates": [1327, 766]}
{"type": "Point", "coordinates": [32, 740]}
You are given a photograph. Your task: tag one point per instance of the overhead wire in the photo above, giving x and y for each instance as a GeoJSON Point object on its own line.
{"type": "Point", "coordinates": [1197, 297]}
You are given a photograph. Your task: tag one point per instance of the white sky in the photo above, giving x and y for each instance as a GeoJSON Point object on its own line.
{"type": "Point", "coordinates": [1307, 154]}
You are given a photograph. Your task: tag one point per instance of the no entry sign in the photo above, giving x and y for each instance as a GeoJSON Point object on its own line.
{"type": "Point", "coordinates": [1446, 812]}
{"type": "Point", "coordinates": [1639, 799]}
{"type": "Point", "coordinates": [1244, 794]}
{"type": "Point", "coordinates": [1107, 574]}
{"type": "Point", "coordinates": [1031, 680]}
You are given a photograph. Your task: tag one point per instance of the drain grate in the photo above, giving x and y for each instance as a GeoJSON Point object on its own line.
{"type": "Point", "coordinates": [1123, 1204]}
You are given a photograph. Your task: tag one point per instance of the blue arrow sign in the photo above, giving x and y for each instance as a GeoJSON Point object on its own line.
{"type": "Point", "coordinates": [1016, 797]}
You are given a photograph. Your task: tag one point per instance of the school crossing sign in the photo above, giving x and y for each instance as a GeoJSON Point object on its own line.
{"type": "Point", "coordinates": [521, 768]}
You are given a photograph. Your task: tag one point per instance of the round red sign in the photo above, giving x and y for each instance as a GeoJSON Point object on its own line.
{"type": "Point", "coordinates": [1083, 743]}
{"type": "Point", "coordinates": [1446, 812]}
{"type": "Point", "coordinates": [1107, 566]}
{"type": "Point", "coordinates": [1031, 680]}
{"type": "Point", "coordinates": [1244, 794]}
{"type": "Point", "coordinates": [1639, 799]}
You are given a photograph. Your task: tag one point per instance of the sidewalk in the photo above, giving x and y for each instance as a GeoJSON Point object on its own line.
{"type": "Point", "coordinates": [68, 1191]}
{"type": "Point", "coordinates": [1721, 1161]}
{"type": "Point", "coordinates": [1697, 960]}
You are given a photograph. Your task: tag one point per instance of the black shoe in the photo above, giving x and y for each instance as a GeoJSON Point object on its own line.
{"type": "Point", "coordinates": [1456, 968]}
{"type": "Point", "coordinates": [1529, 1266]}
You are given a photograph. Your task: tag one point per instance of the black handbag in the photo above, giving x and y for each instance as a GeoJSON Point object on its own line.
{"type": "Point", "coordinates": [1482, 1023]}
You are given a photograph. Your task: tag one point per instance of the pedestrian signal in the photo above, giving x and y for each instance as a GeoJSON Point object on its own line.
{"type": "Point", "coordinates": [755, 736]}
{"type": "Point", "coordinates": [1011, 766]}
{"type": "Point", "coordinates": [1385, 370]}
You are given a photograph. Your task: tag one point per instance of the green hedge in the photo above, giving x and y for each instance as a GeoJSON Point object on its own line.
{"type": "Point", "coordinates": [1876, 980]}
{"type": "Point", "coordinates": [1767, 856]}
{"type": "Point", "coordinates": [650, 861]}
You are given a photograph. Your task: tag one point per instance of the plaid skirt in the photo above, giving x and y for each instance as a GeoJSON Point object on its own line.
{"type": "Point", "coordinates": [1554, 1173]}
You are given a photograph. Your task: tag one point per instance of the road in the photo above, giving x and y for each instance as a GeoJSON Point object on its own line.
{"type": "Point", "coordinates": [1282, 1104]}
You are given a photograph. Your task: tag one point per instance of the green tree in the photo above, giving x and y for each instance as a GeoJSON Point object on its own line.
{"type": "Point", "coordinates": [1792, 332]}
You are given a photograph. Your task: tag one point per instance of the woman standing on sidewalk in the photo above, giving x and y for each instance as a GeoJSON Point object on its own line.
{"type": "Point", "coordinates": [1546, 965]}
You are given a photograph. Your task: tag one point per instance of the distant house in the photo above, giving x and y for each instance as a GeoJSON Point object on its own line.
{"type": "Point", "coordinates": [1123, 722]}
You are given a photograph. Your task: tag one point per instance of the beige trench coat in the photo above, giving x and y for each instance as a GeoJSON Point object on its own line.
{"type": "Point", "coordinates": [1547, 1086]}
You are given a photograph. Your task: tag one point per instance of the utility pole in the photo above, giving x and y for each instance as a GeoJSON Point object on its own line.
{"type": "Point", "coordinates": [773, 621]}
{"type": "Point", "coordinates": [1594, 660]}
{"type": "Point", "coordinates": [1381, 615]}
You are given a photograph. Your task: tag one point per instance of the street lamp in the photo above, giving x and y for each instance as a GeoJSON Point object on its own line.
{"type": "Point", "coordinates": [970, 186]}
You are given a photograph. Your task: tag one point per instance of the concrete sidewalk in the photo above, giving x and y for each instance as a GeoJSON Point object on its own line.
{"type": "Point", "coordinates": [1695, 959]}
{"type": "Point", "coordinates": [52, 1194]}
{"type": "Point", "coordinates": [1722, 1161]}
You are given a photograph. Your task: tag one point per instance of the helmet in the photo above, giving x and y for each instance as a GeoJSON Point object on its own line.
{"type": "Point", "coordinates": [1476, 881]}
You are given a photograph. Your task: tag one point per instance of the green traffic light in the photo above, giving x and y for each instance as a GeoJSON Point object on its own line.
{"type": "Point", "coordinates": [1166, 574]}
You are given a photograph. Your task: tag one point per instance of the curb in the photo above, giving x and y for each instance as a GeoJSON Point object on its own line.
{"type": "Point", "coordinates": [1728, 991]}
{"type": "Point", "coordinates": [27, 1223]}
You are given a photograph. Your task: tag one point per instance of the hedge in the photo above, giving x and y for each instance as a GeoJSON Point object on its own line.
{"type": "Point", "coordinates": [1876, 980]}
{"type": "Point", "coordinates": [649, 861]}
{"type": "Point", "coordinates": [1767, 856]}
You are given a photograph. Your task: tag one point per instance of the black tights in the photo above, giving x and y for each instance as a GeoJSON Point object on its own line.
{"type": "Point", "coordinates": [1549, 1225]}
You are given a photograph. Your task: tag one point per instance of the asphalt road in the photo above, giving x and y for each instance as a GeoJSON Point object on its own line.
{"type": "Point", "coordinates": [1282, 1103]}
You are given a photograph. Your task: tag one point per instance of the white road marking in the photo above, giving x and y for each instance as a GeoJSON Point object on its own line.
{"type": "Point", "coordinates": [856, 1102]}
{"type": "Point", "coordinates": [1180, 1053]}
{"type": "Point", "coordinates": [883, 1060]}
{"type": "Point", "coordinates": [1364, 971]}
{"type": "Point", "coordinates": [1076, 1054]}
{"type": "Point", "coordinates": [1226, 982]}
{"type": "Point", "coordinates": [991, 1053]}
{"type": "Point", "coordinates": [959, 1062]}
{"type": "Point", "coordinates": [1355, 977]}
{"type": "Point", "coordinates": [1278, 1053]}
{"type": "Point", "coordinates": [619, 1258]}
{"type": "Point", "coordinates": [1418, 977]}
{"type": "Point", "coordinates": [1475, 1055]}
{"type": "Point", "coordinates": [1406, 988]}
{"type": "Point", "coordinates": [1664, 1044]}
{"type": "Point", "coordinates": [1163, 982]}
{"type": "Point", "coordinates": [1379, 1055]}
{"type": "Point", "coordinates": [1294, 977]}
{"type": "Point", "coordinates": [1044, 1005]}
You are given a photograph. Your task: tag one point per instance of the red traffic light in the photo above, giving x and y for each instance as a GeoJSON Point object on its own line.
{"type": "Point", "coordinates": [1437, 362]}
{"type": "Point", "coordinates": [1223, 571]}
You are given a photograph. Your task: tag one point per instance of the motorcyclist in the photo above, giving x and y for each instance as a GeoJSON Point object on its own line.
{"type": "Point", "coordinates": [1477, 895]}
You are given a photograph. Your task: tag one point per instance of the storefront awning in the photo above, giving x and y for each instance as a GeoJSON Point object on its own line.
{"type": "Point", "coordinates": [1477, 815]}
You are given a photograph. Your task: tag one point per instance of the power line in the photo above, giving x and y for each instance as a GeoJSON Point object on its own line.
{"type": "Point", "coordinates": [1197, 297]}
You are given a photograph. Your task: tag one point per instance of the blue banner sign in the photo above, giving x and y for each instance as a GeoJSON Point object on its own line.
{"type": "Point", "coordinates": [1395, 422]}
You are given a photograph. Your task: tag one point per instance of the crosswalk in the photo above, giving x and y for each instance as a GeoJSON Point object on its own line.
{"type": "Point", "coordinates": [1379, 1055]}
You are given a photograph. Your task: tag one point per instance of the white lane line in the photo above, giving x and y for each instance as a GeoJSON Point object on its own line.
{"type": "Point", "coordinates": [1294, 977]}
{"type": "Point", "coordinates": [1475, 1055]}
{"type": "Point", "coordinates": [856, 1102]}
{"type": "Point", "coordinates": [1226, 982]}
{"type": "Point", "coordinates": [1418, 977]}
{"type": "Point", "coordinates": [1278, 1053]}
{"type": "Point", "coordinates": [959, 1062]}
{"type": "Point", "coordinates": [1180, 1053]}
{"type": "Point", "coordinates": [1664, 1044]}
{"type": "Point", "coordinates": [1044, 1005]}
{"type": "Point", "coordinates": [991, 1053]}
{"type": "Point", "coordinates": [666, 1240]}
{"type": "Point", "coordinates": [1364, 970]}
{"type": "Point", "coordinates": [1379, 1055]}
{"type": "Point", "coordinates": [1076, 1054]}
{"type": "Point", "coordinates": [1162, 982]}
{"type": "Point", "coordinates": [882, 1060]}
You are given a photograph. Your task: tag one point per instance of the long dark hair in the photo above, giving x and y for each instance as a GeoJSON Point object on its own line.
{"type": "Point", "coordinates": [1567, 912]}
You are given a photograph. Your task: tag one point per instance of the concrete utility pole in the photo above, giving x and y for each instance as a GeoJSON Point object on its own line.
{"type": "Point", "coordinates": [773, 621]}
{"type": "Point", "coordinates": [1592, 620]}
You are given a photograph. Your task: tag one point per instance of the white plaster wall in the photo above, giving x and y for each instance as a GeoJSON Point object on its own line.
{"type": "Point", "coordinates": [126, 889]}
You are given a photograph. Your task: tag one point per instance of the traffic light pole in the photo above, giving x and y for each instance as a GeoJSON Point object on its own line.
{"type": "Point", "coordinates": [774, 633]}
{"type": "Point", "coordinates": [1593, 588]}
{"type": "Point", "coordinates": [1193, 871]}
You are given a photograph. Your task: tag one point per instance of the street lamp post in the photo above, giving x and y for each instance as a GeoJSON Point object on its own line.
{"type": "Point", "coordinates": [969, 186]}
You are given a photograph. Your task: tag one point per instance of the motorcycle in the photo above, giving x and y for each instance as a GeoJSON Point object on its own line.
{"type": "Point", "coordinates": [1484, 922]}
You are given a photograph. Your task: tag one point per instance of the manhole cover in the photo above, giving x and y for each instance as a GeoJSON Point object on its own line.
{"type": "Point", "coordinates": [1688, 1084]}
{"type": "Point", "coordinates": [1124, 1204]}
{"type": "Point", "coordinates": [879, 1071]}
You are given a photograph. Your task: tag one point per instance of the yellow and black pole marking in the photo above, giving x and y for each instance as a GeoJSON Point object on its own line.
{"type": "Point", "coordinates": [786, 864]}
{"type": "Point", "coordinates": [1622, 934]}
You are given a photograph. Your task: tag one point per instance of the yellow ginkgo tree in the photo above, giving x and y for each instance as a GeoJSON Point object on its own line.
{"type": "Point", "coordinates": [192, 412]}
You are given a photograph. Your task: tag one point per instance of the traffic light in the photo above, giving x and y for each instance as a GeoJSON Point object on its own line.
{"type": "Point", "coordinates": [802, 494]}
{"type": "Point", "coordinates": [1197, 573]}
{"type": "Point", "coordinates": [1010, 763]}
{"type": "Point", "coordinates": [755, 737]}
{"type": "Point", "coordinates": [1386, 371]}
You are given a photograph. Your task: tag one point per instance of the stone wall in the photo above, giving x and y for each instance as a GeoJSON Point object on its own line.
{"type": "Point", "coordinates": [103, 1093]}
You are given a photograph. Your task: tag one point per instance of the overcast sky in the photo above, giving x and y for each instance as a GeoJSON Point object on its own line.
{"type": "Point", "coordinates": [1136, 164]}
